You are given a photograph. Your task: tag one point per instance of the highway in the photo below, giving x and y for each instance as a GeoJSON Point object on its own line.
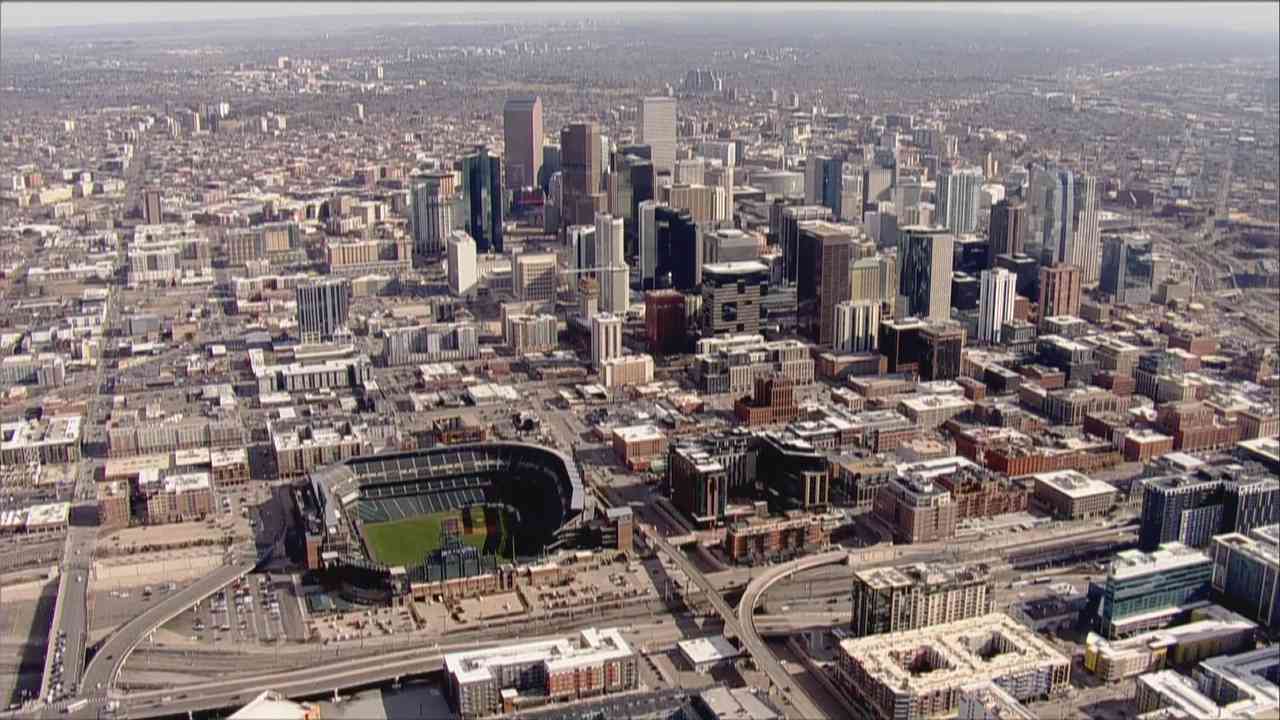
{"type": "Point", "coordinates": [345, 674]}
{"type": "Point", "coordinates": [71, 614]}
{"type": "Point", "coordinates": [752, 643]}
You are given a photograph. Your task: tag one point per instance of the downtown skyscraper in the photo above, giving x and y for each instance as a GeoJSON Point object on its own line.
{"type": "Point", "coordinates": [485, 197]}
{"type": "Point", "coordinates": [430, 211]}
{"type": "Point", "coordinates": [995, 303]}
{"type": "Point", "coordinates": [958, 192]}
{"type": "Point", "coordinates": [658, 131]}
{"type": "Point", "coordinates": [925, 258]}
{"type": "Point", "coordinates": [1057, 215]}
{"type": "Point", "coordinates": [824, 183]}
{"type": "Point", "coordinates": [580, 166]}
{"type": "Point", "coordinates": [1008, 223]}
{"type": "Point", "coordinates": [610, 257]}
{"type": "Point", "coordinates": [1086, 245]}
{"type": "Point", "coordinates": [522, 141]}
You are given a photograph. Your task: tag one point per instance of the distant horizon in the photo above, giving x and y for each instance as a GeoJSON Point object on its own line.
{"type": "Point", "coordinates": [1238, 17]}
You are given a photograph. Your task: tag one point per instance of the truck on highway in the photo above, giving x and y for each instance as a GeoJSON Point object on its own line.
{"type": "Point", "coordinates": [77, 706]}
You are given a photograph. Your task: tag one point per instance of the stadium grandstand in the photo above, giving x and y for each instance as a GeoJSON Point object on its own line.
{"type": "Point", "coordinates": [445, 510]}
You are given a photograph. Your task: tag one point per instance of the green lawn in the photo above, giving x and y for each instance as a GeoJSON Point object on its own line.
{"type": "Point", "coordinates": [407, 542]}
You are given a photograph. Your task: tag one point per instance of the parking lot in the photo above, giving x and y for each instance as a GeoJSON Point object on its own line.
{"type": "Point", "coordinates": [260, 609]}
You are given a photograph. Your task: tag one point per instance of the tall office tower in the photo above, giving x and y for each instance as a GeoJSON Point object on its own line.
{"type": "Point", "coordinates": [789, 234]}
{"type": "Point", "coordinates": [1008, 222]}
{"type": "Point", "coordinates": [522, 141]}
{"type": "Point", "coordinates": [430, 212]}
{"type": "Point", "coordinates": [851, 196]}
{"type": "Point", "coordinates": [484, 192]}
{"type": "Point", "coordinates": [614, 291]}
{"type": "Point", "coordinates": [678, 250]}
{"type": "Point", "coordinates": [828, 250]}
{"type": "Point", "coordinates": [665, 320]}
{"type": "Point", "coordinates": [924, 270]}
{"type": "Point", "coordinates": [152, 213]}
{"type": "Point", "coordinates": [554, 204]}
{"type": "Point", "coordinates": [995, 303]}
{"type": "Point", "coordinates": [581, 164]}
{"type": "Point", "coordinates": [646, 222]}
{"type": "Point", "coordinates": [857, 326]}
{"type": "Point", "coordinates": [550, 165]}
{"type": "Point", "coordinates": [958, 192]}
{"type": "Point", "coordinates": [606, 338]}
{"type": "Point", "coordinates": [865, 283]}
{"type": "Point", "coordinates": [877, 185]}
{"type": "Point", "coordinates": [1087, 240]}
{"type": "Point", "coordinates": [630, 184]}
{"type": "Point", "coordinates": [581, 240]}
{"type": "Point", "coordinates": [1056, 216]}
{"type": "Point", "coordinates": [1060, 290]}
{"type": "Point", "coordinates": [731, 294]}
{"type": "Point", "coordinates": [322, 309]}
{"type": "Point", "coordinates": [822, 182]}
{"type": "Point", "coordinates": [1127, 268]}
{"type": "Point", "coordinates": [462, 263]}
{"type": "Point", "coordinates": [658, 131]}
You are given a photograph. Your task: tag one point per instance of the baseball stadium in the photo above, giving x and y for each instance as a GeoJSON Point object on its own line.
{"type": "Point", "coordinates": [419, 514]}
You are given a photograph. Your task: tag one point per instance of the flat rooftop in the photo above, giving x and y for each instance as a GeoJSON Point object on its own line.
{"type": "Point", "coordinates": [1169, 556]}
{"type": "Point", "coordinates": [592, 647]}
{"type": "Point", "coordinates": [959, 653]}
{"type": "Point", "coordinates": [1073, 484]}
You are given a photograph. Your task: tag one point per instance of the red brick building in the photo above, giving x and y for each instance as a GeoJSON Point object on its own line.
{"type": "Point", "coordinates": [773, 402]}
{"type": "Point", "coordinates": [760, 538]}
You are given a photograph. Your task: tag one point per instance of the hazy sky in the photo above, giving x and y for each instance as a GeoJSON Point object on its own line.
{"type": "Point", "coordinates": [1248, 16]}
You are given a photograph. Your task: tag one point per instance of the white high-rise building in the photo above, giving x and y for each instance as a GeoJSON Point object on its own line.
{"type": "Point", "coordinates": [996, 298]}
{"type": "Point", "coordinates": [658, 131]}
{"type": "Point", "coordinates": [1086, 242]}
{"type": "Point", "coordinates": [610, 253]}
{"type": "Point", "coordinates": [958, 193]}
{"type": "Point", "coordinates": [606, 338]}
{"type": "Point", "coordinates": [857, 326]}
{"type": "Point", "coordinates": [462, 263]}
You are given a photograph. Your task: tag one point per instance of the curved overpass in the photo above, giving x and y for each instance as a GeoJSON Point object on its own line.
{"type": "Point", "coordinates": [756, 589]}
{"type": "Point", "coordinates": [752, 643]}
{"type": "Point", "coordinates": [102, 671]}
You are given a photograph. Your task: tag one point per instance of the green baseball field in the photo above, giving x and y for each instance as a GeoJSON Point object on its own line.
{"type": "Point", "coordinates": [408, 542]}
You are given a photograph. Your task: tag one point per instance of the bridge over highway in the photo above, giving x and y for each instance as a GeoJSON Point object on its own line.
{"type": "Point", "coordinates": [753, 644]}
